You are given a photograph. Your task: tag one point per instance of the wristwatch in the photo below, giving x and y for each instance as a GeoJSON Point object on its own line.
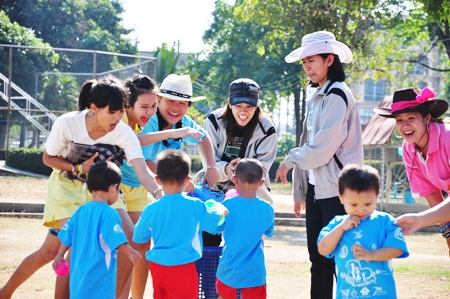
{"type": "Point", "coordinates": [445, 231]}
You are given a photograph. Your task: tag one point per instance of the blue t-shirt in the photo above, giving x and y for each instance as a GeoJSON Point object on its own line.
{"type": "Point", "coordinates": [242, 263]}
{"type": "Point", "coordinates": [175, 222]}
{"type": "Point", "coordinates": [129, 176]}
{"type": "Point", "coordinates": [94, 232]}
{"type": "Point", "coordinates": [362, 279]}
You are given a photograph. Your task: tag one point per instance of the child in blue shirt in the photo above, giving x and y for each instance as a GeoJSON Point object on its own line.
{"type": "Point", "coordinates": [94, 233]}
{"type": "Point", "coordinates": [364, 241]}
{"type": "Point", "coordinates": [175, 223]}
{"type": "Point", "coordinates": [242, 263]}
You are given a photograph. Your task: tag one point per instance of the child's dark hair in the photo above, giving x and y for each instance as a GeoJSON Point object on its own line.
{"type": "Point", "coordinates": [138, 85]}
{"type": "Point", "coordinates": [249, 170]}
{"type": "Point", "coordinates": [107, 91]}
{"type": "Point", "coordinates": [359, 178]}
{"type": "Point", "coordinates": [173, 166]}
{"type": "Point", "coordinates": [335, 71]}
{"type": "Point", "coordinates": [103, 175]}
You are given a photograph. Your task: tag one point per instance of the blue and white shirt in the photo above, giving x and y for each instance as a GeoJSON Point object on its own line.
{"type": "Point", "coordinates": [242, 263]}
{"type": "Point", "coordinates": [362, 279]}
{"type": "Point", "coordinates": [175, 223]}
{"type": "Point", "coordinates": [152, 150]}
{"type": "Point", "coordinates": [94, 232]}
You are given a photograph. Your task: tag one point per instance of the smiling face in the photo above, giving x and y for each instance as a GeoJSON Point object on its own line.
{"type": "Point", "coordinates": [360, 204]}
{"type": "Point", "coordinates": [172, 110]}
{"type": "Point", "coordinates": [143, 109]}
{"type": "Point", "coordinates": [412, 126]}
{"type": "Point", "coordinates": [107, 120]}
{"type": "Point", "coordinates": [242, 113]}
{"type": "Point", "coordinates": [316, 67]}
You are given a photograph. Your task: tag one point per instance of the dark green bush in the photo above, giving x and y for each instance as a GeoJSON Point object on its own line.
{"type": "Point", "coordinates": [28, 159]}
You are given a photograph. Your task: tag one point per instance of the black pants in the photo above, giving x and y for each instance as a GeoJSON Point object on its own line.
{"type": "Point", "coordinates": [211, 240]}
{"type": "Point", "coordinates": [318, 214]}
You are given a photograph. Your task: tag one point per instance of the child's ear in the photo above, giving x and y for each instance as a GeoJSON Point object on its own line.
{"type": "Point", "coordinates": [341, 198]}
{"type": "Point", "coordinates": [114, 188]}
{"type": "Point", "coordinates": [262, 182]}
{"type": "Point", "coordinates": [157, 180]}
{"type": "Point", "coordinates": [187, 180]}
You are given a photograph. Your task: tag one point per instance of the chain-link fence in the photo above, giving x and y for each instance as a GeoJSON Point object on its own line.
{"type": "Point", "coordinates": [39, 84]}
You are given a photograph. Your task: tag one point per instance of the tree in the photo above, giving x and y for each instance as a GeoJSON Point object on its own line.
{"type": "Point", "coordinates": [76, 24]}
{"type": "Point", "coordinates": [234, 54]}
{"type": "Point", "coordinates": [25, 61]}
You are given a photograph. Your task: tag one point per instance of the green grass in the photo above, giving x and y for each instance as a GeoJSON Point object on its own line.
{"type": "Point", "coordinates": [435, 272]}
{"type": "Point", "coordinates": [279, 188]}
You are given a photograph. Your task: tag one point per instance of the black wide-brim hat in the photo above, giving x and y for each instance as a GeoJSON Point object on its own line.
{"type": "Point", "coordinates": [413, 100]}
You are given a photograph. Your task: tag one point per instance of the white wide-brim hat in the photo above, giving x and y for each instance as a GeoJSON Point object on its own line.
{"type": "Point", "coordinates": [178, 88]}
{"type": "Point", "coordinates": [320, 42]}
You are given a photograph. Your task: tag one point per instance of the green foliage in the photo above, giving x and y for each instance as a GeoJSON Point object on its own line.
{"type": "Point", "coordinates": [27, 159]}
{"type": "Point", "coordinates": [59, 92]}
{"type": "Point", "coordinates": [167, 61]}
{"type": "Point", "coordinates": [235, 53]}
{"type": "Point", "coordinates": [286, 143]}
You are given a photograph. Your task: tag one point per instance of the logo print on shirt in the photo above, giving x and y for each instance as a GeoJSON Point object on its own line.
{"type": "Point", "coordinates": [117, 229]}
{"type": "Point", "coordinates": [399, 234]}
{"type": "Point", "coordinates": [358, 234]}
{"type": "Point", "coordinates": [344, 252]}
{"type": "Point", "coordinates": [358, 276]}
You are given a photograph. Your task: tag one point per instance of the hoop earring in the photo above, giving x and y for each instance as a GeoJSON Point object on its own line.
{"type": "Point", "coordinates": [397, 133]}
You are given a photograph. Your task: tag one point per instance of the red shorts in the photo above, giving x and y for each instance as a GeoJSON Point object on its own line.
{"type": "Point", "coordinates": [174, 282]}
{"type": "Point", "coordinates": [228, 292]}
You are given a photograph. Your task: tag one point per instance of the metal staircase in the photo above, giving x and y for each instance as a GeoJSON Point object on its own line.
{"type": "Point", "coordinates": [32, 110]}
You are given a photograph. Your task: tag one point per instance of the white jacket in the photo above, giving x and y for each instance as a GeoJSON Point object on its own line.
{"type": "Point", "coordinates": [336, 129]}
{"type": "Point", "coordinates": [262, 146]}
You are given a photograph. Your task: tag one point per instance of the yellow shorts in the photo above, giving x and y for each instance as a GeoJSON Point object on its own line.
{"type": "Point", "coordinates": [64, 197]}
{"type": "Point", "coordinates": [136, 198]}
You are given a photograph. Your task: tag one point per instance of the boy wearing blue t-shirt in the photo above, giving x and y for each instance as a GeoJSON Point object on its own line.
{"type": "Point", "coordinates": [175, 223]}
{"type": "Point", "coordinates": [364, 241]}
{"type": "Point", "coordinates": [94, 233]}
{"type": "Point", "coordinates": [242, 263]}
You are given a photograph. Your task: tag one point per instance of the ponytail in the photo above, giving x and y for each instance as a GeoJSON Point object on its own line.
{"type": "Point", "coordinates": [83, 98]}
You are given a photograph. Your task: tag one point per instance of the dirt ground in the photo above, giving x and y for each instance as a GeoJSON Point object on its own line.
{"type": "Point", "coordinates": [424, 274]}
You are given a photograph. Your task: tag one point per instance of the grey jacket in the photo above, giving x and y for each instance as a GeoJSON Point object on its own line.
{"type": "Point", "coordinates": [262, 146]}
{"type": "Point", "coordinates": [336, 129]}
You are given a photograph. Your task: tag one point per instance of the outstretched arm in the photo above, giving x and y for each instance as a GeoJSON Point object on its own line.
{"type": "Point", "coordinates": [206, 150]}
{"type": "Point", "coordinates": [152, 137]}
{"type": "Point", "coordinates": [412, 222]}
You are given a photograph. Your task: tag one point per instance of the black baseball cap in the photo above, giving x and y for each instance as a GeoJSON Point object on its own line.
{"type": "Point", "coordinates": [244, 90]}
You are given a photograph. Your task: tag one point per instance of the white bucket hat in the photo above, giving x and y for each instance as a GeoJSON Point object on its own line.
{"type": "Point", "coordinates": [320, 42]}
{"type": "Point", "coordinates": [178, 87]}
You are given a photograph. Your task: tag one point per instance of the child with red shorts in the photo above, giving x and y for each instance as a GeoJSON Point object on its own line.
{"type": "Point", "coordinates": [173, 222]}
{"type": "Point", "coordinates": [242, 263]}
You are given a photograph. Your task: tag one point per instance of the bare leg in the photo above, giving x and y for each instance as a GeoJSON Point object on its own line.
{"type": "Point", "coordinates": [31, 264]}
{"type": "Point", "coordinates": [124, 265]}
{"type": "Point", "coordinates": [140, 271]}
